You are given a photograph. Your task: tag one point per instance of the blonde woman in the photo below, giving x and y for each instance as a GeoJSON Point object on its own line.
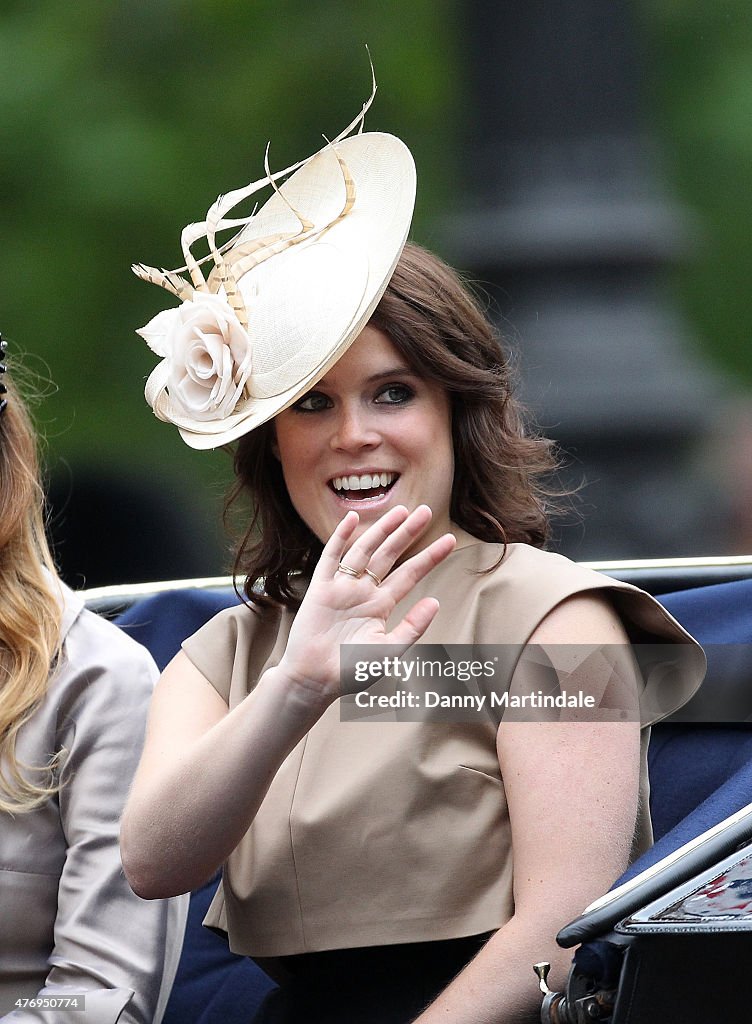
{"type": "Point", "coordinates": [73, 695]}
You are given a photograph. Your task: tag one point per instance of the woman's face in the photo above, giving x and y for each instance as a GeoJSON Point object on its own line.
{"type": "Point", "coordinates": [372, 434]}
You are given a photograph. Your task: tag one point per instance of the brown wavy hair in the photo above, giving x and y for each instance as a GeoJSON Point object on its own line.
{"type": "Point", "coordinates": [30, 612]}
{"type": "Point", "coordinates": [499, 492]}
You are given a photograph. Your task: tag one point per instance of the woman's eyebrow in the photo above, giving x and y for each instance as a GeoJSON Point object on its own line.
{"type": "Point", "coordinates": [393, 371]}
{"type": "Point", "coordinates": [401, 370]}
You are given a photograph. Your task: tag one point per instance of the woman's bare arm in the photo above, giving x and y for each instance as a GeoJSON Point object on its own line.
{"type": "Point", "coordinates": [203, 775]}
{"type": "Point", "coordinates": [572, 790]}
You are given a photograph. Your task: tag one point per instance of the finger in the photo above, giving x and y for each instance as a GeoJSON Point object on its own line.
{"type": "Point", "coordinates": [336, 545]}
{"type": "Point", "coordinates": [360, 552]}
{"type": "Point", "coordinates": [401, 580]}
{"type": "Point", "coordinates": [394, 543]}
{"type": "Point", "coordinates": [414, 624]}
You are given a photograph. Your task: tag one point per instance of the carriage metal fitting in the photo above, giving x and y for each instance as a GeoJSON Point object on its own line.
{"type": "Point", "coordinates": [576, 1005]}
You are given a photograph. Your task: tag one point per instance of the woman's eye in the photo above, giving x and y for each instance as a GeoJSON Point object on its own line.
{"type": "Point", "coordinates": [394, 394]}
{"type": "Point", "coordinates": [314, 401]}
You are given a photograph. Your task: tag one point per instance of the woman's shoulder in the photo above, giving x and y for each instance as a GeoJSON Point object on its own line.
{"type": "Point", "coordinates": [522, 561]}
{"type": "Point", "coordinates": [518, 565]}
{"type": "Point", "coordinates": [238, 622]}
{"type": "Point", "coordinates": [530, 582]}
{"type": "Point", "coordinates": [541, 595]}
{"type": "Point", "coordinates": [234, 644]}
{"type": "Point", "coordinates": [96, 651]}
{"type": "Point", "coordinates": [100, 683]}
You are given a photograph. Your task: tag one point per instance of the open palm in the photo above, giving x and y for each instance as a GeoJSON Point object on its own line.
{"type": "Point", "coordinates": [350, 598]}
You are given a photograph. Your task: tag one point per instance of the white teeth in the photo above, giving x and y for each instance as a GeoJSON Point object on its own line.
{"type": "Point", "coordinates": [364, 482]}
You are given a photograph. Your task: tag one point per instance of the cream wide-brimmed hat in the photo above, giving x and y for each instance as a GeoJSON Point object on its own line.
{"type": "Point", "coordinates": [287, 295]}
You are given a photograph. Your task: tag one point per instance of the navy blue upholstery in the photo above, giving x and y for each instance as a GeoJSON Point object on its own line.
{"type": "Point", "coordinates": [721, 614]}
{"type": "Point", "coordinates": [699, 774]}
{"type": "Point", "coordinates": [689, 765]}
{"type": "Point", "coordinates": [161, 622]}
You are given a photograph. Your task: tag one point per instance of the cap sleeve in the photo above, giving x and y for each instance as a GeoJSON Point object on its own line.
{"type": "Point", "coordinates": [672, 664]}
{"type": "Point", "coordinates": [235, 647]}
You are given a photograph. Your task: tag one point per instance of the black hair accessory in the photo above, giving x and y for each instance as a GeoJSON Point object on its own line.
{"type": "Point", "coordinates": [3, 368]}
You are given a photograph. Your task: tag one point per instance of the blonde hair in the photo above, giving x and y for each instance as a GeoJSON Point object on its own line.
{"type": "Point", "coordinates": [30, 612]}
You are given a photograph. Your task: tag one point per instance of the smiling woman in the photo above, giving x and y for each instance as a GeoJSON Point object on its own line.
{"type": "Point", "coordinates": [370, 416]}
{"type": "Point", "coordinates": [432, 390]}
{"type": "Point", "coordinates": [397, 498]}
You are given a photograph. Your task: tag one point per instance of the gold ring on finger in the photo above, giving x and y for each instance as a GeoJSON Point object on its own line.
{"type": "Point", "coordinates": [349, 571]}
{"type": "Point", "coordinates": [374, 577]}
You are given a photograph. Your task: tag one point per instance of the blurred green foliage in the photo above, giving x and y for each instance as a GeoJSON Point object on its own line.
{"type": "Point", "coordinates": [123, 119]}
{"type": "Point", "coordinates": [700, 61]}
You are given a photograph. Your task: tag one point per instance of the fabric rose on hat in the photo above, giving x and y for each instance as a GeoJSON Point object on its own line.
{"type": "Point", "coordinates": [208, 355]}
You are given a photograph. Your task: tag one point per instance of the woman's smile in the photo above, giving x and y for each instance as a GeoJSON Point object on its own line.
{"type": "Point", "coordinates": [363, 489]}
{"type": "Point", "coordinates": [372, 434]}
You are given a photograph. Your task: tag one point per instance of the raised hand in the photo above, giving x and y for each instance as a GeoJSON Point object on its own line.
{"type": "Point", "coordinates": [353, 592]}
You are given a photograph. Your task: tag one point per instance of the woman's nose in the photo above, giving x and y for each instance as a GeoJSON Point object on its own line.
{"type": "Point", "coordinates": [354, 430]}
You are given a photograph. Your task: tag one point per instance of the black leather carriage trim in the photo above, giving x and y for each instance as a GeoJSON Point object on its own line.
{"type": "Point", "coordinates": [718, 900]}
{"type": "Point", "coordinates": [674, 874]}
